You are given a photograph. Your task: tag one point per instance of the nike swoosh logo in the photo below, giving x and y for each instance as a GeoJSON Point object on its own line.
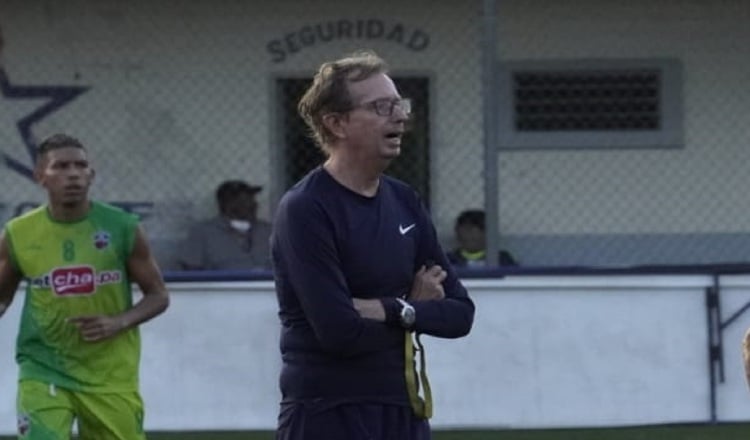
{"type": "Point", "coordinates": [403, 230]}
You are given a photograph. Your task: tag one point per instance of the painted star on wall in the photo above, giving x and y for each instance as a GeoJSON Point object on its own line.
{"type": "Point", "coordinates": [54, 98]}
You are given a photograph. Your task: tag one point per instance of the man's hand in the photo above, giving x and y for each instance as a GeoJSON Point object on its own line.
{"type": "Point", "coordinates": [428, 284]}
{"type": "Point", "coordinates": [97, 328]}
{"type": "Point", "coordinates": [369, 308]}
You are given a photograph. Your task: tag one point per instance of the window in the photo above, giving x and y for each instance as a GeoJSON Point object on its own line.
{"type": "Point", "coordinates": [590, 104]}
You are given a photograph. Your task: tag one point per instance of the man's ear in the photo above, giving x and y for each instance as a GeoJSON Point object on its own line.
{"type": "Point", "coordinates": [335, 123]}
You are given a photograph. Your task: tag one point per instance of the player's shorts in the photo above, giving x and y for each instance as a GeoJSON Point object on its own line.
{"type": "Point", "coordinates": [46, 412]}
{"type": "Point", "coordinates": [348, 421]}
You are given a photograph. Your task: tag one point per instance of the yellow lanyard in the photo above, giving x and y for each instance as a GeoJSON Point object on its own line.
{"type": "Point", "coordinates": [422, 407]}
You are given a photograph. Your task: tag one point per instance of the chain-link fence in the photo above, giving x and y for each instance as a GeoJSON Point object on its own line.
{"type": "Point", "coordinates": [173, 97]}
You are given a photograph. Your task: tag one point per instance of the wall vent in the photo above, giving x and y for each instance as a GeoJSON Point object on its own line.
{"type": "Point", "coordinates": [590, 104]}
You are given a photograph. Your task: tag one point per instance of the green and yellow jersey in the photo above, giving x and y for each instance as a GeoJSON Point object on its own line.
{"type": "Point", "coordinates": [75, 269]}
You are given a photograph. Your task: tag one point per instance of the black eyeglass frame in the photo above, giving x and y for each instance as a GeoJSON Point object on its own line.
{"type": "Point", "coordinates": [385, 106]}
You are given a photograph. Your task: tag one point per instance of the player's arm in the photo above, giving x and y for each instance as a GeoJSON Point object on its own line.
{"type": "Point", "coordinates": [144, 271]}
{"type": "Point", "coordinates": [10, 278]}
{"type": "Point", "coordinates": [746, 354]}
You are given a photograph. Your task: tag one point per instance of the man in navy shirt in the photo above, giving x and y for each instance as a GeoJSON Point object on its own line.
{"type": "Point", "coordinates": [358, 270]}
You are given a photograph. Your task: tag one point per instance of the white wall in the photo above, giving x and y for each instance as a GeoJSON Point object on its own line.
{"type": "Point", "coordinates": [690, 190]}
{"type": "Point", "coordinates": [170, 84]}
{"type": "Point", "coordinates": [182, 96]}
{"type": "Point", "coordinates": [544, 352]}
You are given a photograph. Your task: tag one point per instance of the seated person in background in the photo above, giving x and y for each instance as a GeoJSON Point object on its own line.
{"type": "Point", "coordinates": [471, 242]}
{"type": "Point", "coordinates": [234, 239]}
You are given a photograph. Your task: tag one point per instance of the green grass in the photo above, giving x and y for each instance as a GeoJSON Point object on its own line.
{"type": "Point", "coordinates": [733, 431]}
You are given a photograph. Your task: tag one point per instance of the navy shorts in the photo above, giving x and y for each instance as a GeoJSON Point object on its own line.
{"type": "Point", "coordinates": [350, 421]}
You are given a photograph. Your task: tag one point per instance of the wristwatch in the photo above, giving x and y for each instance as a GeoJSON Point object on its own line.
{"type": "Point", "coordinates": [407, 315]}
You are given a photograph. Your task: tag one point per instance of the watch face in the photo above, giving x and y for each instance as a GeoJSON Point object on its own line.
{"type": "Point", "coordinates": [407, 316]}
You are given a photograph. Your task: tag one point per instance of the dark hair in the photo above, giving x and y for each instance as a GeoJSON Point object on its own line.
{"type": "Point", "coordinates": [471, 217]}
{"type": "Point", "coordinates": [57, 141]}
{"type": "Point", "coordinates": [329, 93]}
{"type": "Point", "coordinates": [230, 189]}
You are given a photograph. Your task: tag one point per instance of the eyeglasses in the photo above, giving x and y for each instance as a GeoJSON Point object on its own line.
{"type": "Point", "coordinates": [385, 106]}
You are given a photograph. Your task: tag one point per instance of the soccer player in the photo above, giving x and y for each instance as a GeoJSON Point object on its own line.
{"type": "Point", "coordinates": [358, 270]}
{"type": "Point", "coordinates": [78, 349]}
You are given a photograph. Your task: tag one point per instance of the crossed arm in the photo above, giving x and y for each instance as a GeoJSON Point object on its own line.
{"type": "Point", "coordinates": [427, 285]}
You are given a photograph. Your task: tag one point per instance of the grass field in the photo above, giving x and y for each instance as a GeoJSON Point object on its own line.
{"type": "Point", "coordinates": [689, 432]}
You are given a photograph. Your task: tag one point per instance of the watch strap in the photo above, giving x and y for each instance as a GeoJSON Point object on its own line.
{"type": "Point", "coordinates": [392, 311]}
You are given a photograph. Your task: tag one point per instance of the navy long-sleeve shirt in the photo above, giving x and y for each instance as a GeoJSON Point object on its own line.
{"type": "Point", "coordinates": [330, 245]}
